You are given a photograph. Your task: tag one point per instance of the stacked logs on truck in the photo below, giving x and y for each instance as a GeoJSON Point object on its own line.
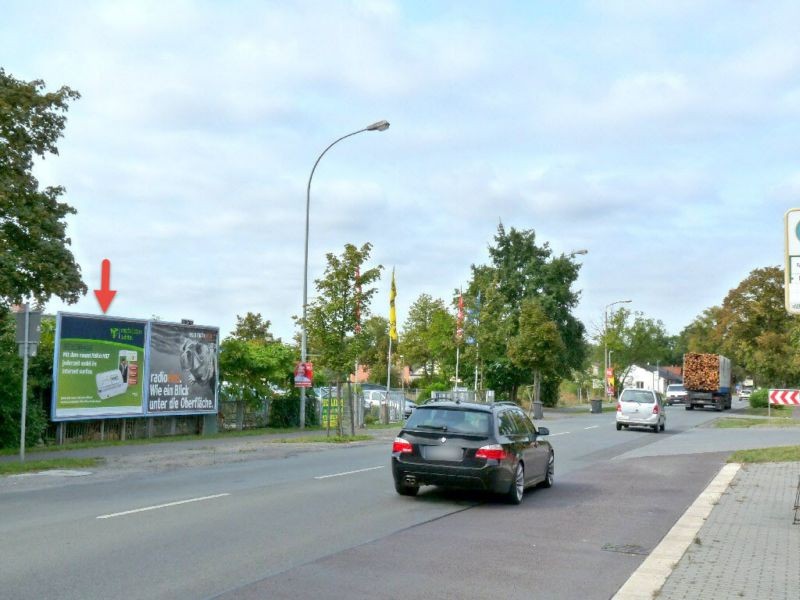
{"type": "Point", "coordinates": [701, 372]}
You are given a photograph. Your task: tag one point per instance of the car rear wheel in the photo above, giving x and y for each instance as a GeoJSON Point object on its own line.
{"type": "Point", "coordinates": [619, 426]}
{"type": "Point", "coordinates": [551, 469]}
{"type": "Point", "coordinates": [517, 489]}
{"type": "Point", "coordinates": [406, 490]}
{"type": "Point", "coordinates": [656, 428]}
{"type": "Point", "coordinates": [663, 426]}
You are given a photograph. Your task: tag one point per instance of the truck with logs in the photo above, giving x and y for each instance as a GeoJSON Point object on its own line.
{"type": "Point", "coordinates": [707, 380]}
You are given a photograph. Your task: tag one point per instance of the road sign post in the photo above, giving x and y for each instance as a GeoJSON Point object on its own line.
{"type": "Point", "coordinates": [28, 333]}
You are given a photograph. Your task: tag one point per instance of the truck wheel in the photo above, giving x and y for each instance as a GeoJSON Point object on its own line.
{"type": "Point", "coordinates": [689, 407]}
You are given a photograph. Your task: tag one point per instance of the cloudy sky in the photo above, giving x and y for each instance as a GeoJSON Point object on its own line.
{"type": "Point", "coordinates": [661, 136]}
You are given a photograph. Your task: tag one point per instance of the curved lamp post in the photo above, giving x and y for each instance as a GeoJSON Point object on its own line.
{"type": "Point", "coordinates": [606, 353]}
{"type": "Point", "coordinates": [379, 126]}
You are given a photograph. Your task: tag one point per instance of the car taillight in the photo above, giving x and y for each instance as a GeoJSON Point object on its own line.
{"type": "Point", "coordinates": [402, 446]}
{"type": "Point", "coordinates": [619, 407]}
{"type": "Point", "coordinates": [655, 409]}
{"type": "Point", "coordinates": [493, 452]}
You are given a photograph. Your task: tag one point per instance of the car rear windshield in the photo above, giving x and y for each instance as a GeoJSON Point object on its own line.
{"type": "Point", "coordinates": [449, 419]}
{"type": "Point", "coordinates": [675, 388]}
{"type": "Point", "coordinates": [640, 396]}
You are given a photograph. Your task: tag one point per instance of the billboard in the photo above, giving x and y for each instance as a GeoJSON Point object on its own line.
{"type": "Point", "coordinates": [97, 367]}
{"type": "Point", "coordinates": [181, 369]}
{"type": "Point", "coordinates": [116, 367]}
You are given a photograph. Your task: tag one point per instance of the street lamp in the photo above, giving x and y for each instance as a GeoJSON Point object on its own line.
{"type": "Point", "coordinates": [378, 126]}
{"type": "Point", "coordinates": [606, 354]}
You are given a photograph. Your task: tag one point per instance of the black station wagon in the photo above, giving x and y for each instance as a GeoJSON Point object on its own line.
{"type": "Point", "coordinates": [493, 447]}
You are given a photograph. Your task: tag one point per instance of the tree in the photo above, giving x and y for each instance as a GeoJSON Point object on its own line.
{"type": "Point", "coordinates": [632, 338]}
{"type": "Point", "coordinates": [521, 269]}
{"type": "Point", "coordinates": [35, 260]}
{"type": "Point", "coordinates": [428, 337]}
{"type": "Point", "coordinates": [375, 353]}
{"type": "Point", "coordinates": [253, 365]}
{"type": "Point", "coordinates": [344, 296]}
{"type": "Point", "coordinates": [538, 345]}
{"type": "Point", "coordinates": [757, 333]}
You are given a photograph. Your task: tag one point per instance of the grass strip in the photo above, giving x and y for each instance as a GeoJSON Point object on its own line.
{"type": "Point", "coordinates": [734, 422]}
{"type": "Point", "coordinates": [33, 466]}
{"type": "Point", "coordinates": [762, 455]}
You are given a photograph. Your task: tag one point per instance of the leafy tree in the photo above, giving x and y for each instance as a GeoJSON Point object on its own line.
{"type": "Point", "coordinates": [344, 292]}
{"type": "Point", "coordinates": [428, 337]}
{"type": "Point", "coordinates": [35, 260]}
{"type": "Point", "coordinates": [375, 344]}
{"type": "Point", "coordinates": [254, 367]}
{"type": "Point", "coordinates": [521, 269]}
{"type": "Point", "coordinates": [757, 333]}
{"type": "Point", "coordinates": [632, 338]}
{"type": "Point", "coordinates": [538, 346]}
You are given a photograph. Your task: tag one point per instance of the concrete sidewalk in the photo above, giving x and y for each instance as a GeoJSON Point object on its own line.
{"type": "Point", "coordinates": [738, 540]}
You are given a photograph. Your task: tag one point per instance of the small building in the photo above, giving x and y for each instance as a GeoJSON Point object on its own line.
{"type": "Point", "coordinates": [651, 378]}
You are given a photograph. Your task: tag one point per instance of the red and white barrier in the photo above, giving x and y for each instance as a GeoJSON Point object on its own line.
{"type": "Point", "coordinates": [784, 397]}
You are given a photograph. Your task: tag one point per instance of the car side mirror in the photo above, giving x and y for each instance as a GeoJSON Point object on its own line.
{"type": "Point", "coordinates": [544, 431]}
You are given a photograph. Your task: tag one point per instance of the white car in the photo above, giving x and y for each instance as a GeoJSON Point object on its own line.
{"type": "Point", "coordinates": [675, 393]}
{"type": "Point", "coordinates": [641, 408]}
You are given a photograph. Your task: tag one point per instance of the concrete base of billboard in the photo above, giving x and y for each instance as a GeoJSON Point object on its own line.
{"type": "Point", "coordinates": [210, 425]}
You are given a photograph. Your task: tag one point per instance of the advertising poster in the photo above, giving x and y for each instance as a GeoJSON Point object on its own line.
{"type": "Point", "coordinates": [182, 369]}
{"type": "Point", "coordinates": [97, 367]}
{"type": "Point", "coordinates": [303, 374]}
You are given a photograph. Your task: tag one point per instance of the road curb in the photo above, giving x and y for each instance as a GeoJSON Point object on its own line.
{"type": "Point", "coordinates": [651, 575]}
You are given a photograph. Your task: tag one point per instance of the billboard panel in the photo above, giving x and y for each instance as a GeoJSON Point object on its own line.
{"type": "Point", "coordinates": [97, 367]}
{"type": "Point", "coordinates": [181, 369]}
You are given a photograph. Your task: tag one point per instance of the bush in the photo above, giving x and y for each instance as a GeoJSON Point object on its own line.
{"type": "Point", "coordinates": [285, 411]}
{"type": "Point", "coordinates": [759, 399]}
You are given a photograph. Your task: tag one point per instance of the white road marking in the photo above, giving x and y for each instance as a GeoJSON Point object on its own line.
{"type": "Point", "coordinates": [562, 433]}
{"type": "Point", "coordinates": [347, 473]}
{"type": "Point", "coordinates": [168, 504]}
{"type": "Point", "coordinates": [592, 427]}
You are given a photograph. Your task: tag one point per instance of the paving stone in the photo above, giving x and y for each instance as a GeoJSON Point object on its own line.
{"type": "Point", "coordinates": [748, 546]}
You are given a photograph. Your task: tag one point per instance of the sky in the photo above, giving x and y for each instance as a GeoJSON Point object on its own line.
{"type": "Point", "coordinates": [662, 137]}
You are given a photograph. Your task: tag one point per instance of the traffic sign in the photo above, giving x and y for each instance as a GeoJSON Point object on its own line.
{"type": "Point", "coordinates": [784, 397]}
{"type": "Point", "coordinates": [792, 260]}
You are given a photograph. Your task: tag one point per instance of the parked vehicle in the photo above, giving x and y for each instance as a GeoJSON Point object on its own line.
{"type": "Point", "coordinates": [641, 408]}
{"type": "Point", "coordinates": [493, 447]}
{"type": "Point", "coordinates": [676, 393]}
{"type": "Point", "coordinates": [707, 379]}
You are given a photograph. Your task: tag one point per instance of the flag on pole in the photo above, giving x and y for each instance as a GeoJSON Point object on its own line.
{"type": "Point", "coordinates": [392, 312]}
{"type": "Point", "coordinates": [460, 320]}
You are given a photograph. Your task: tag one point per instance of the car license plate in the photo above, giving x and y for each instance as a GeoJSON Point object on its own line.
{"type": "Point", "coordinates": [451, 453]}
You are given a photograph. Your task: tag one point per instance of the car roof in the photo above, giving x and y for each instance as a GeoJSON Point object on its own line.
{"type": "Point", "coordinates": [454, 405]}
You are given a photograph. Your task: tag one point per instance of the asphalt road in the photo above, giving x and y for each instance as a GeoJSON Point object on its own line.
{"type": "Point", "coordinates": [328, 522]}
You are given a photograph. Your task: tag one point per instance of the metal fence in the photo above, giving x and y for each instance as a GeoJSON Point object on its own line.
{"type": "Point", "coordinates": [123, 429]}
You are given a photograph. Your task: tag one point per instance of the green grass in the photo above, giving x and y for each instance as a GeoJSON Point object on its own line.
{"type": "Point", "coordinates": [733, 422]}
{"type": "Point", "coordinates": [334, 439]}
{"type": "Point", "coordinates": [777, 454]}
{"type": "Point", "coordinates": [31, 466]}
{"type": "Point", "coordinates": [776, 410]}
{"type": "Point", "coordinates": [158, 440]}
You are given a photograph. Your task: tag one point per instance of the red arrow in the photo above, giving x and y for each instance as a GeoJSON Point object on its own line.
{"type": "Point", "coordinates": [105, 295]}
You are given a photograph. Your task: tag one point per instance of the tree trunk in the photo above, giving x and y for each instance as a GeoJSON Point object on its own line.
{"type": "Point", "coordinates": [352, 408]}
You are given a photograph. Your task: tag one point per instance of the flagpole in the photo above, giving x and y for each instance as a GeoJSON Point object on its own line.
{"type": "Point", "coordinates": [388, 379]}
{"type": "Point", "coordinates": [392, 337]}
{"type": "Point", "coordinates": [458, 352]}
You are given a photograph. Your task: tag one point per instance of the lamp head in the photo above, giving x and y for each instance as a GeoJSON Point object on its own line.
{"type": "Point", "coordinates": [379, 126]}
